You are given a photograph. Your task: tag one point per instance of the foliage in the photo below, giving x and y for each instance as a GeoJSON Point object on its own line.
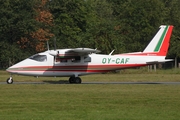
{"type": "Point", "coordinates": [15, 22]}
{"type": "Point", "coordinates": [37, 38]}
{"type": "Point", "coordinates": [26, 26]}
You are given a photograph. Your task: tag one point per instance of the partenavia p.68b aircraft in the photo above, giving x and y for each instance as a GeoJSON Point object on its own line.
{"type": "Point", "coordinates": [83, 61]}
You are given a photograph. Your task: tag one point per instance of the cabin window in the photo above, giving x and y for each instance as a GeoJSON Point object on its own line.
{"type": "Point", "coordinates": [39, 58]}
{"type": "Point", "coordinates": [87, 59]}
{"type": "Point", "coordinates": [76, 59]}
{"type": "Point", "coordinates": [57, 59]}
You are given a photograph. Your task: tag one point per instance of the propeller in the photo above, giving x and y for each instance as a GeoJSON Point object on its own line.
{"type": "Point", "coordinates": [54, 43]}
{"type": "Point", "coordinates": [47, 45]}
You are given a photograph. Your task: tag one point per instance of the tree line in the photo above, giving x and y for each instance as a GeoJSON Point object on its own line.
{"type": "Point", "coordinates": [123, 25]}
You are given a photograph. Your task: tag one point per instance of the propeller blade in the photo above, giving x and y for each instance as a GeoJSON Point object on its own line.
{"type": "Point", "coordinates": [47, 45]}
{"type": "Point", "coordinates": [55, 43]}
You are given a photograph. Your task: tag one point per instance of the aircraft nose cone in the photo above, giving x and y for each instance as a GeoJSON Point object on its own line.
{"type": "Point", "coordinates": [9, 69]}
{"type": "Point", "coordinates": [12, 69]}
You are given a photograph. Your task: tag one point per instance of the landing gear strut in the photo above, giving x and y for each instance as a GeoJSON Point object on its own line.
{"type": "Point", "coordinates": [9, 80]}
{"type": "Point", "coordinates": [76, 80]}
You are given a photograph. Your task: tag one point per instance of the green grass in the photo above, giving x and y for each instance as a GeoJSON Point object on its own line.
{"type": "Point", "coordinates": [89, 102]}
{"type": "Point", "coordinates": [93, 101]}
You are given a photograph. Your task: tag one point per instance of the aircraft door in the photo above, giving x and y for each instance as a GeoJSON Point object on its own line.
{"type": "Point", "coordinates": [50, 60]}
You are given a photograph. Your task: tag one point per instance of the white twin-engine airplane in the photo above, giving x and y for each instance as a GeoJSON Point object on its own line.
{"type": "Point", "coordinates": [83, 61]}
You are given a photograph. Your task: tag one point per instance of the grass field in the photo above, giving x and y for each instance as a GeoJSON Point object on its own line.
{"type": "Point", "coordinates": [93, 101]}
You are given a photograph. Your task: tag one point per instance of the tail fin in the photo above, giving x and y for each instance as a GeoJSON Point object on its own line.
{"type": "Point", "coordinates": [160, 43]}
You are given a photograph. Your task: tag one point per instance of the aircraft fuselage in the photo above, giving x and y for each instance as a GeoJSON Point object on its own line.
{"type": "Point", "coordinates": [81, 65]}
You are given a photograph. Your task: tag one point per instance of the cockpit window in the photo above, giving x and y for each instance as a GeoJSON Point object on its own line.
{"type": "Point", "coordinates": [40, 58]}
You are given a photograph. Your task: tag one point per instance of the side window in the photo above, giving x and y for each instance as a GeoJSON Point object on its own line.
{"type": "Point", "coordinates": [57, 59]}
{"type": "Point", "coordinates": [87, 59]}
{"type": "Point", "coordinates": [76, 59]}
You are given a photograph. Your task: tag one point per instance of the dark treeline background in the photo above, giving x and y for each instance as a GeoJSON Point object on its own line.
{"type": "Point", "coordinates": [123, 25]}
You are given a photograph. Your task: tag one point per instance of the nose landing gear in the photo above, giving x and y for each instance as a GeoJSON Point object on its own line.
{"type": "Point", "coordinates": [9, 80]}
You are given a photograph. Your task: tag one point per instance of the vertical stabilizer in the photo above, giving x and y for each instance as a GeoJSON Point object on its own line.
{"type": "Point", "coordinates": [160, 43]}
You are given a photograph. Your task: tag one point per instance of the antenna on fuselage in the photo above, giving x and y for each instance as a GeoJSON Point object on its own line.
{"type": "Point", "coordinates": [111, 52]}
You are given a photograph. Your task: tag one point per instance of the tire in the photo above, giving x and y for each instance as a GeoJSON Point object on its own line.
{"type": "Point", "coordinates": [9, 80]}
{"type": "Point", "coordinates": [71, 80]}
{"type": "Point", "coordinates": [77, 80]}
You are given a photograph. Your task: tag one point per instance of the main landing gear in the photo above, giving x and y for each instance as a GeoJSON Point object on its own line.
{"type": "Point", "coordinates": [9, 80]}
{"type": "Point", "coordinates": [76, 80]}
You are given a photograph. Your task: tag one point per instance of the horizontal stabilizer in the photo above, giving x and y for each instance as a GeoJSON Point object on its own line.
{"type": "Point", "coordinates": [159, 61]}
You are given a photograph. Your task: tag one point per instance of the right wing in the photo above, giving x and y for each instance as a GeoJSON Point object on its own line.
{"type": "Point", "coordinates": [70, 53]}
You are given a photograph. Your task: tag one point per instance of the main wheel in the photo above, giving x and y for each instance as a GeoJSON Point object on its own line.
{"type": "Point", "coordinates": [9, 80]}
{"type": "Point", "coordinates": [77, 80]}
{"type": "Point", "coordinates": [71, 79]}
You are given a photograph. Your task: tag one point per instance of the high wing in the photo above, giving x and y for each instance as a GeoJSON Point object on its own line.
{"type": "Point", "coordinates": [70, 53]}
{"type": "Point", "coordinates": [84, 50]}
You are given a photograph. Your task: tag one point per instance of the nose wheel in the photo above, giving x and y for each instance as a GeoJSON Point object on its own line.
{"type": "Point", "coordinates": [9, 80]}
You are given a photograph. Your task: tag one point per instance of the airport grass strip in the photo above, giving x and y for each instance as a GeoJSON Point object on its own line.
{"type": "Point", "coordinates": [88, 102]}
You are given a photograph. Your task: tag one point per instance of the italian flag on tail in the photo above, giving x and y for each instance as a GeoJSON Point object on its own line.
{"type": "Point", "coordinates": [160, 43]}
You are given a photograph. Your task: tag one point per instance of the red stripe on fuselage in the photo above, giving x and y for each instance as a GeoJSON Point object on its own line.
{"type": "Point", "coordinates": [139, 54]}
{"type": "Point", "coordinates": [88, 69]}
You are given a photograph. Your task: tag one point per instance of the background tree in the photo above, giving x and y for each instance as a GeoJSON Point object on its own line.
{"type": "Point", "coordinates": [15, 22]}
{"type": "Point", "coordinates": [123, 25]}
{"type": "Point", "coordinates": [173, 18]}
{"type": "Point", "coordinates": [37, 39]}
{"type": "Point", "coordinates": [70, 21]}
{"type": "Point", "coordinates": [137, 21]}
{"type": "Point", "coordinates": [101, 30]}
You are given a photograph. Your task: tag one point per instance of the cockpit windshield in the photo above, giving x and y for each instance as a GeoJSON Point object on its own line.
{"type": "Point", "coordinates": [40, 58]}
